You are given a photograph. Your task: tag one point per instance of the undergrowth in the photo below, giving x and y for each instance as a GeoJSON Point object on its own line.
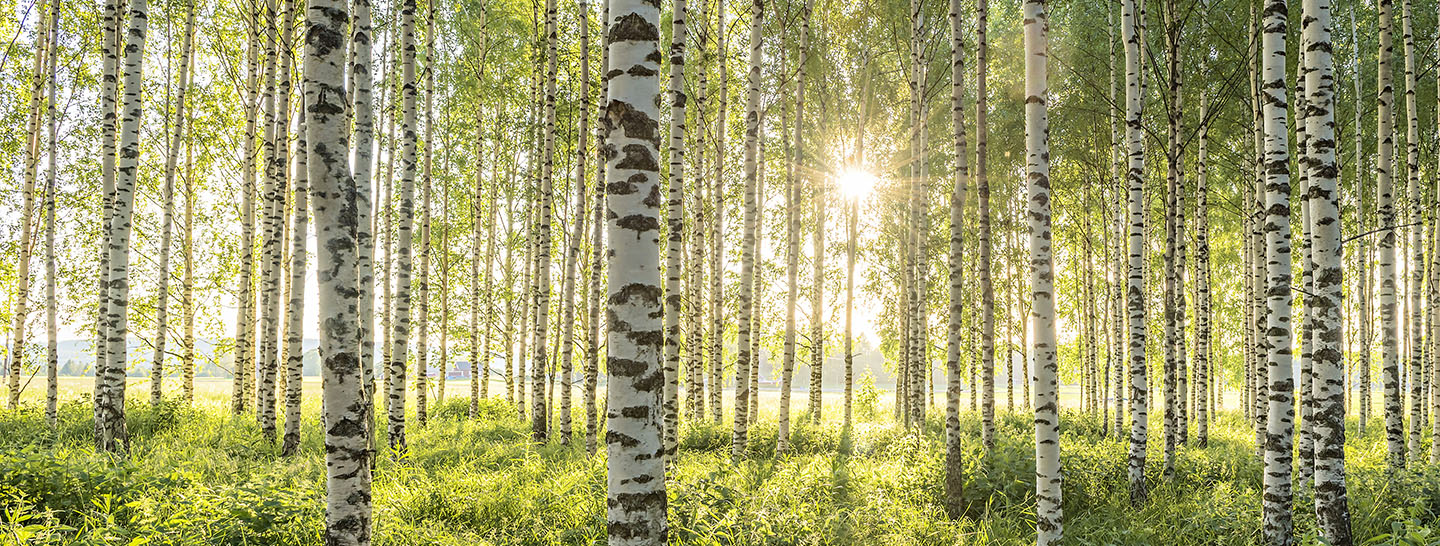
{"type": "Point", "coordinates": [202, 476]}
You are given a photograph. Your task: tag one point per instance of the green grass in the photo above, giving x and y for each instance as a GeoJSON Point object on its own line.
{"type": "Point", "coordinates": [201, 476]}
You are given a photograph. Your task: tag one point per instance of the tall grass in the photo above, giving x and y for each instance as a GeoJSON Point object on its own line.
{"type": "Point", "coordinates": [201, 476]}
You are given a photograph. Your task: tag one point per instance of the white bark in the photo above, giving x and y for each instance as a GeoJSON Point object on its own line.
{"type": "Point", "coordinates": [635, 450]}
{"type": "Point", "coordinates": [1048, 523]}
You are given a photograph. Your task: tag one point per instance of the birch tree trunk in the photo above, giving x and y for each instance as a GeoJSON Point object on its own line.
{"type": "Point", "coordinates": [695, 400]}
{"type": "Point", "coordinates": [675, 236]}
{"type": "Point", "coordinates": [1118, 258]}
{"type": "Point", "coordinates": [597, 246]}
{"type": "Point", "coordinates": [1202, 281]}
{"type": "Point", "coordinates": [404, 237]}
{"type": "Point", "coordinates": [1278, 527]}
{"type": "Point", "coordinates": [954, 437]}
{"type": "Point", "coordinates": [109, 131]}
{"type": "Point", "coordinates": [1362, 272]}
{"type": "Point", "coordinates": [26, 242]}
{"type": "Point", "coordinates": [1049, 526]}
{"type": "Point", "coordinates": [347, 468]}
{"type": "Point", "coordinates": [187, 290]}
{"type": "Point", "coordinates": [1323, 199]}
{"type": "Point", "coordinates": [817, 294]}
{"type": "Point", "coordinates": [295, 308]}
{"type": "Point", "coordinates": [982, 184]}
{"type": "Point", "coordinates": [540, 413]}
{"type": "Point", "coordinates": [1385, 203]}
{"type": "Point", "coordinates": [792, 258]}
{"type": "Point", "coordinates": [52, 306]}
{"type": "Point", "coordinates": [1135, 286]}
{"type": "Point", "coordinates": [1258, 251]}
{"type": "Point", "coordinates": [363, 154]}
{"type": "Point", "coordinates": [635, 450]}
{"type": "Point", "coordinates": [387, 217]}
{"type": "Point", "coordinates": [1174, 282]}
{"type": "Point", "coordinates": [422, 280]}
{"type": "Point", "coordinates": [717, 223]}
{"type": "Point", "coordinates": [1305, 467]}
{"type": "Point", "coordinates": [172, 157]}
{"type": "Point", "coordinates": [110, 433]}
{"type": "Point", "coordinates": [747, 245]}
{"type": "Point", "coordinates": [1415, 361]}
{"type": "Point", "coordinates": [277, 151]}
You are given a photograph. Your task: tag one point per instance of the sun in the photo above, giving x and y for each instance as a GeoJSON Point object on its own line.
{"type": "Point", "coordinates": [855, 182]}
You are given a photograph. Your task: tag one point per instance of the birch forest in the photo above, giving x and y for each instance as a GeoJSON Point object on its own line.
{"type": "Point", "coordinates": [720, 272]}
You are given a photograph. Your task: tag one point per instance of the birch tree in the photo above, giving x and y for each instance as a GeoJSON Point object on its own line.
{"type": "Point", "coordinates": [747, 245]}
{"type": "Point", "coordinates": [1135, 286]}
{"type": "Point", "coordinates": [25, 242]}
{"type": "Point", "coordinates": [395, 369]}
{"type": "Point", "coordinates": [295, 307]}
{"type": "Point", "coordinates": [52, 306]}
{"type": "Point", "coordinates": [1048, 516]}
{"type": "Point", "coordinates": [540, 413]}
{"type": "Point", "coordinates": [1413, 287]}
{"type": "Point", "coordinates": [1278, 527]}
{"type": "Point", "coordinates": [276, 157]}
{"type": "Point", "coordinates": [1385, 205]}
{"type": "Point", "coordinates": [1323, 199]}
{"type": "Point", "coordinates": [347, 466]}
{"type": "Point", "coordinates": [982, 184]}
{"type": "Point", "coordinates": [675, 227]}
{"type": "Point", "coordinates": [635, 461]}
{"type": "Point", "coordinates": [363, 161]}
{"type": "Point", "coordinates": [172, 157]}
{"type": "Point", "coordinates": [792, 246]}
{"type": "Point", "coordinates": [110, 432]}
{"type": "Point", "coordinates": [954, 450]}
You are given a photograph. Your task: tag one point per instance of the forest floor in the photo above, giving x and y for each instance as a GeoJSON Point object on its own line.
{"type": "Point", "coordinates": [197, 475]}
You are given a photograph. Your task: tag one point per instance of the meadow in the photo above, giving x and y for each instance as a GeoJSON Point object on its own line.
{"type": "Point", "coordinates": [198, 475]}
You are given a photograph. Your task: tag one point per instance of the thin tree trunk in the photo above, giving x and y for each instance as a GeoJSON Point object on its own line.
{"type": "Point", "coordinates": [404, 238]}
{"type": "Point", "coordinates": [109, 130]}
{"type": "Point", "coordinates": [187, 290]}
{"type": "Point", "coordinates": [422, 280]}
{"type": "Point", "coordinates": [1116, 354]}
{"type": "Point", "coordinates": [172, 158]}
{"type": "Point", "coordinates": [717, 226]}
{"type": "Point", "coordinates": [110, 432]}
{"type": "Point", "coordinates": [1135, 287]}
{"type": "Point", "coordinates": [747, 245]}
{"type": "Point", "coordinates": [1258, 253]}
{"type": "Point", "coordinates": [52, 306]}
{"type": "Point", "coordinates": [1417, 275]}
{"type": "Point", "coordinates": [277, 153]}
{"type": "Point", "coordinates": [696, 400]}
{"type": "Point", "coordinates": [1174, 289]}
{"type": "Point", "coordinates": [26, 241]}
{"type": "Point", "coordinates": [295, 307]}
{"type": "Point", "coordinates": [675, 232]}
{"type": "Point", "coordinates": [954, 437]}
{"type": "Point", "coordinates": [817, 294]}
{"type": "Point", "coordinates": [1202, 282]}
{"type": "Point", "coordinates": [387, 219]}
{"type": "Point", "coordinates": [982, 184]}
{"type": "Point", "coordinates": [1278, 527]}
{"type": "Point", "coordinates": [597, 252]}
{"type": "Point", "coordinates": [792, 258]}
{"type": "Point", "coordinates": [363, 153]}
{"type": "Point", "coordinates": [1385, 203]}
